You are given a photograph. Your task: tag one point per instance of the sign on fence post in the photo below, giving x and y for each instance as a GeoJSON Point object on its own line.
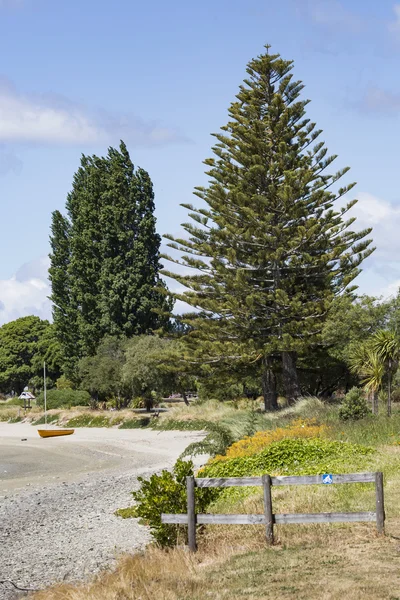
{"type": "Point", "coordinates": [269, 517]}
{"type": "Point", "coordinates": [191, 513]}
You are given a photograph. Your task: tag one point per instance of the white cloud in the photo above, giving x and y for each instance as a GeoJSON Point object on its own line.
{"type": "Point", "coordinates": [394, 26]}
{"type": "Point", "coordinates": [26, 292]}
{"type": "Point", "coordinates": [333, 15]}
{"type": "Point", "coordinates": [381, 271]}
{"type": "Point", "coordinates": [52, 119]}
{"type": "Point", "coordinates": [380, 101]}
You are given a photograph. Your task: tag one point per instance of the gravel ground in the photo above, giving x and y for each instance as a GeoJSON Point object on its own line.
{"type": "Point", "coordinates": [56, 520]}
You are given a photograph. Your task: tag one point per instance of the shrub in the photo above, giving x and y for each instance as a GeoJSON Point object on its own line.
{"type": "Point", "coordinates": [63, 383]}
{"type": "Point", "coordinates": [218, 439]}
{"type": "Point", "coordinates": [87, 420]}
{"type": "Point", "coordinates": [292, 456]}
{"type": "Point", "coordinates": [166, 493]}
{"type": "Point", "coordinates": [135, 423]}
{"type": "Point", "coordinates": [50, 419]}
{"type": "Point", "coordinates": [64, 398]}
{"type": "Point", "coordinates": [354, 405]}
{"type": "Point", "coordinates": [249, 445]}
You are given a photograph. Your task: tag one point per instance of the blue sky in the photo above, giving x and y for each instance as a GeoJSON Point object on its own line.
{"type": "Point", "coordinates": [78, 76]}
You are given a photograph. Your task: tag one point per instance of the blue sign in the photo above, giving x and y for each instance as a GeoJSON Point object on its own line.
{"type": "Point", "coordinates": [328, 478]}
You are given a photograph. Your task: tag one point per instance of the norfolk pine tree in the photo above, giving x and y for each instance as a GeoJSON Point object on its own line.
{"type": "Point", "coordinates": [266, 250]}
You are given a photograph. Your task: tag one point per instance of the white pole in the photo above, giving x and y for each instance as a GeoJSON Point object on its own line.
{"type": "Point", "coordinates": [45, 396]}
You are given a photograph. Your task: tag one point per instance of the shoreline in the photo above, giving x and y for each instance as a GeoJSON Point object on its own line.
{"type": "Point", "coordinates": [57, 505]}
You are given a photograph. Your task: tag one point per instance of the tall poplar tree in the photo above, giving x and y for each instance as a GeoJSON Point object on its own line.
{"type": "Point", "coordinates": [105, 257]}
{"type": "Point", "coordinates": [267, 250]}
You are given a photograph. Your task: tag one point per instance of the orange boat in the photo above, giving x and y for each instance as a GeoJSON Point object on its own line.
{"type": "Point", "coordinates": [44, 433]}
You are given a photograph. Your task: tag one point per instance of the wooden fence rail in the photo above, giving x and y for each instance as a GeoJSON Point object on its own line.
{"type": "Point", "coordinates": [269, 519]}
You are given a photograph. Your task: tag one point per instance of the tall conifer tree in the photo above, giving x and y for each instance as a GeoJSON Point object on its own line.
{"type": "Point", "coordinates": [268, 251]}
{"type": "Point", "coordinates": [105, 257]}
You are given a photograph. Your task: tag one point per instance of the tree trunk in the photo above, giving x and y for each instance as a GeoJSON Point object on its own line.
{"type": "Point", "coordinates": [269, 385]}
{"type": "Point", "coordinates": [375, 402]}
{"type": "Point", "coordinates": [289, 375]}
{"type": "Point", "coordinates": [389, 400]}
{"type": "Point", "coordinates": [186, 401]}
{"type": "Point", "coordinates": [149, 403]}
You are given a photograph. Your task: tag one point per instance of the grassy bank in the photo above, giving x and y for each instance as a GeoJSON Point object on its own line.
{"type": "Point", "coordinates": [306, 561]}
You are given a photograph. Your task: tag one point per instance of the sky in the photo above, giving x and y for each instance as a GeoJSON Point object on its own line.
{"type": "Point", "coordinates": [78, 76]}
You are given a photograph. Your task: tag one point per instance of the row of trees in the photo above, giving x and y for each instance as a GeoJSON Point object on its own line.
{"type": "Point", "coordinates": [269, 256]}
{"type": "Point", "coordinates": [123, 368]}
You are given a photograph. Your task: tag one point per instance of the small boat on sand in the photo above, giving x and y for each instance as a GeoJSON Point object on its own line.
{"type": "Point", "coordinates": [44, 433]}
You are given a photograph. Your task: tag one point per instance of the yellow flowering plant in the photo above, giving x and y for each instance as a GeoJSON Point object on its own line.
{"type": "Point", "coordinates": [249, 445]}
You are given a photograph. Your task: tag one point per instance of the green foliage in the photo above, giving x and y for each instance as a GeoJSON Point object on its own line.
{"type": "Point", "coordinates": [166, 493]}
{"type": "Point", "coordinates": [105, 257]}
{"type": "Point", "coordinates": [177, 425]}
{"type": "Point", "coordinates": [354, 405]}
{"type": "Point", "coordinates": [50, 419]}
{"type": "Point", "coordinates": [268, 251]}
{"type": "Point", "coordinates": [64, 398]}
{"type": "Point", "coordinates": [293, 457]}
{"type": "Point", "coordinates": [143, 373]}
{"type": "Point", "coordinates": [63, 383]}
{"type": "Point", "coordinates": [24, 344]}
{"type": "Point", "coordinates": [17, 419]}
{"type": "Point", "coordinates": [219, 438]}
{"type": "Point", "coordinates": [86, 420]}
{"type": "Point", "coordinates": [139, 423]}
{"type": "Point", "coordinates": [101, 375]}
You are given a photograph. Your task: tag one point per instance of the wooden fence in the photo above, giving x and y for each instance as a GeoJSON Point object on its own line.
{"type": "Point", "coordinates": [269, 519]}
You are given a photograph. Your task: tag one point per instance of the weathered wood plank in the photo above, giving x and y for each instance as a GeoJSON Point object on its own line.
{"type": "Point", "coordinates": [325, 517]}
{"type": "Point", "coordinates": [222, 519]}
{"type": "Point", "coordinates": [231, 519]}
{"type": "Point", "coordinates": [227, 481]}
{"type": "Point", "coordinates": [269, 517]}
{"type": "Point", "coordinates": [380, 508]}
{"type": "Point", "coordinates": [316, 479]}
{"type": "Point", "coordinates": [283, 480]}
{"type": "Point", "coordinates": [176, 519]}
{"type": "Point", "coordinates": [191, 514]}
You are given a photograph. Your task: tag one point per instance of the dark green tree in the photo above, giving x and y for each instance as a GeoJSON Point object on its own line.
{"type": "Point", "coordinates": [269, 251]}
{"type": "Point", "coordinates": [24, 345]}
{"type": "Point", "coordinates": [105, 258]}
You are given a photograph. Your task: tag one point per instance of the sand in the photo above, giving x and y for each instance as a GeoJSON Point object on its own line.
{"type": "Point", "coordinates": [58, 497]}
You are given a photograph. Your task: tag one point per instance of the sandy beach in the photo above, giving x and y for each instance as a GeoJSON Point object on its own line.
{"type": "Point", "coordinates": [58, 497]}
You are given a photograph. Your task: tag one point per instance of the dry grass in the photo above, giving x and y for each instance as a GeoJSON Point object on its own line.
{"type": "Point", "coordinates": [325, 562]}
{"type": "Point", "coordinates": [308, 562]}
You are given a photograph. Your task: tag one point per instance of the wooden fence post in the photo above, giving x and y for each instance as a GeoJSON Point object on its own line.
{"type": "Point", "coordinates": [269, 518]}
{"type": "Point", "coordinates": [191, 513]}
{"type": "Point", "coordinates": [380, 506]}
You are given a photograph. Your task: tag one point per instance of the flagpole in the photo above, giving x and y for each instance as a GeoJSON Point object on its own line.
{"type": "Point", "coordinates": [45, 396]}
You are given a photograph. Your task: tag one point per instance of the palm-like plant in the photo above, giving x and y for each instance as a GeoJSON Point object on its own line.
{"type": "Point", "coordinates": [367, 363]}
{"type": "Point", "coordinates": [386, 345]}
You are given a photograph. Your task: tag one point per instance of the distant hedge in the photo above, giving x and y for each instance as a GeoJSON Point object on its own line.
{"type": "Point", "coordinates": [65, 398]}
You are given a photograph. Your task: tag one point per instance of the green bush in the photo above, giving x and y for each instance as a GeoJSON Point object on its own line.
{"type": "Point", "coordinates": [135, 423]}
{"type": "Point", "coordinates": [166, 493]}
{"type": "Point", "coordinates": [86, 420]}
{"type": "Point", "coordinates": [50, 419]}
{"type": "Point", "coordinates": [65, 398]}
{"type": "Point", "coordinates": [293, 457]}
{"type": "Point", "coordinates": [354, 405]}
